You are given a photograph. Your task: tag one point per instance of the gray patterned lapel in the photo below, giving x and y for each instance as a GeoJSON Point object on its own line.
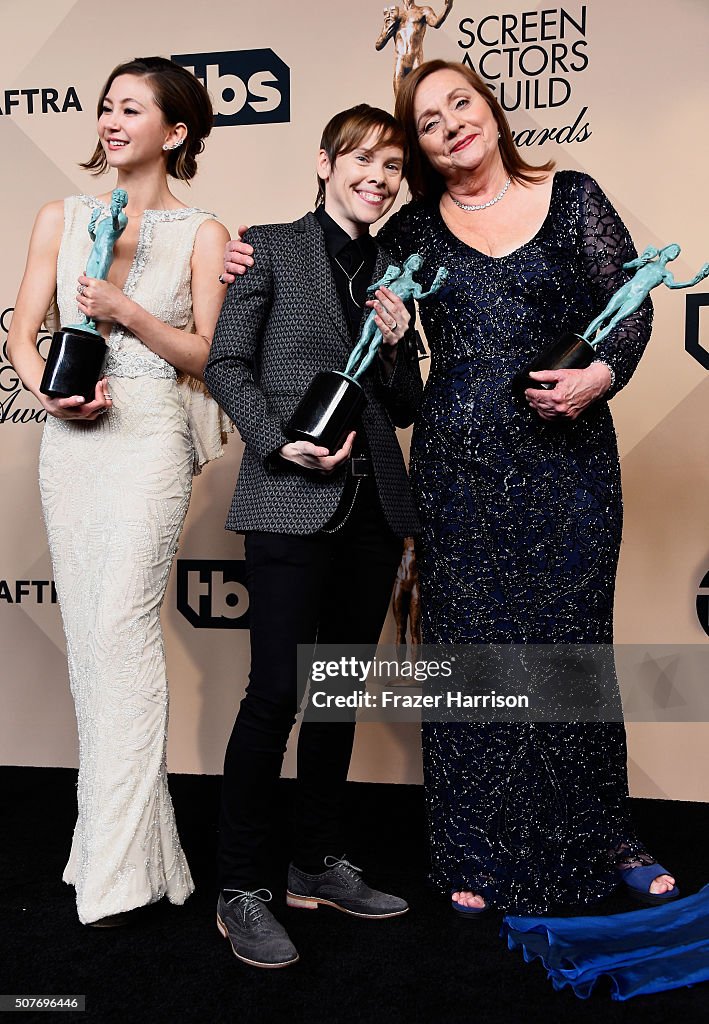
{"type": "Point", "coordinates": [316, 266]}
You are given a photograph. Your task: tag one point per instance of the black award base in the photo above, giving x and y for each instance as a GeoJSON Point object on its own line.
{"type": "Point", "coordinates": [569, 352]}
{"type": "Point", "coordinates": [74, 364]}
{"type": "Point", "coordinates": [328, 410]}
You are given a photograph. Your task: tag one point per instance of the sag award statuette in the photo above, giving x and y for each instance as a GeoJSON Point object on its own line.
{"type": "Point", "coordinates": [330, 407]}
{"type": "Point", "coordinates": [577, 351]}
{"type": "Point", "coordinates": [77, 352]}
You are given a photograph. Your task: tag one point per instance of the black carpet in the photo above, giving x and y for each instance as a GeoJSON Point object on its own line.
{"type": "Point", "coordinates": [172, 965]}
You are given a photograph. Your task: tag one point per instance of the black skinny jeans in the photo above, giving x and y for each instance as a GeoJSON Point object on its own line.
{"type": "Point", "coordinates": [334, 588]}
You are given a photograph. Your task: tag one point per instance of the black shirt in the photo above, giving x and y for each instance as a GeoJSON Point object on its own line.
{"type": "Point", "coordinates": [352, 261]}
{"type": "Point", "coordinates": [350, 258]}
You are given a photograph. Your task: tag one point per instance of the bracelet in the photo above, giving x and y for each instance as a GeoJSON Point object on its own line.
{"type": "Point", "coordinates": [610, 369]}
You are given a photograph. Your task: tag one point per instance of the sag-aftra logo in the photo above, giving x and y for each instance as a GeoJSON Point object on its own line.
{"type": "Point", "coordinates": [39, 101]}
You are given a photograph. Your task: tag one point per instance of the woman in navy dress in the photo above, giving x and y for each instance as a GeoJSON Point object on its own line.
{"type": "Point", "coordinates": [520, 500]}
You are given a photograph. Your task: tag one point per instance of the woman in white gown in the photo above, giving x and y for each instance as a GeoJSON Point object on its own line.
{"type": "Point", "coordinates": [116, 467]}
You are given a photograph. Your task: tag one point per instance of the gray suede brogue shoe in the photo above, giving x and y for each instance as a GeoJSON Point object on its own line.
{"type": "Point", "coordinates": [255, 935]}
{"type": "Point", "coordinates": [342, 887]}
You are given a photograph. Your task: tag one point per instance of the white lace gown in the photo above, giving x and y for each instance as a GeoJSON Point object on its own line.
{"type": "Point", "coordinates": [115, 494]}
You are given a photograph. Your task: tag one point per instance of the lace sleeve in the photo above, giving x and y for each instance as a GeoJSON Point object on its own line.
{"type": "Point", "coordinates": [606, 246]}
{"type": "Point", "coordinates": [396, 237]}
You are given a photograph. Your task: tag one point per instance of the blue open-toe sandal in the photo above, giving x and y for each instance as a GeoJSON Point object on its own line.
{"type": "Point", "coordinates": [638, 880]}
{"type": "Point", "coordinates": [471, 913]}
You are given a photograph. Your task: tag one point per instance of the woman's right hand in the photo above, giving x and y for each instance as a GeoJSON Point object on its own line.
{"type": "Point", "coordinates": [310, 456]}
{"type": "Point", "coordinates": [238, 257]}
{"type": "Point", "coordinates": [77, 408]}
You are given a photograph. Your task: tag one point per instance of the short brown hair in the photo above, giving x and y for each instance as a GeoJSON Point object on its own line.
{"type": "Point", "coordinates": [424, 181]}
{"type": "Point", "coordinates": [181, 97]}
{"type": "Point", "coordinates": [346, 131]}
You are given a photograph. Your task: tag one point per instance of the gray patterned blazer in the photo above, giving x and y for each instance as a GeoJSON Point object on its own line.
{"type": "Point", "coordinates": [281, 322]}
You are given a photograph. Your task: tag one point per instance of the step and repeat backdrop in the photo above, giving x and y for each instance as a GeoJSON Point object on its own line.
{"type": "Point", "coordinates": [617, 90]}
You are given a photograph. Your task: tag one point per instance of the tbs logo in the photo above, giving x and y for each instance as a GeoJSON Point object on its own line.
{"type": "Point", "coordinates": [212, 594]}
{"type": "Point", "coordinates": [246, 86]}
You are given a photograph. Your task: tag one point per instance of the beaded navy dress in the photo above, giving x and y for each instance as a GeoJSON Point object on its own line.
{"type": "Point", "coordinates": [521, 527]}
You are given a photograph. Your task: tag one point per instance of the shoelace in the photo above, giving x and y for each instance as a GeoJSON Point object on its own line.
{"type": "Point", "coordinates": [342, 862]}
{"type": "Point", "coordinates": [250, 901]}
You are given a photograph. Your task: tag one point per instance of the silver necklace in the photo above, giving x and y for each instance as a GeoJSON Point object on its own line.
{"type": "Point", "coordinates": [350, 279]}
{"type": "Point", "coordinates": [471, 207]}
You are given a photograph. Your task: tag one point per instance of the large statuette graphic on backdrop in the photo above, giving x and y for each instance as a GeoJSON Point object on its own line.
{"type": "Point", "coordinates": [77, 353]}
{"type": "Point", "coordinates": [406, 24]}
{"type": "Point", "coordinates": [577, 351]}
{"type": "Point", "coordinates": [330, 407]}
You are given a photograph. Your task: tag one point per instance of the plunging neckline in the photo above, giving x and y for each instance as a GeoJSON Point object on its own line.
{"type": "Point", "coordinates": [147, 218]}
{"type": "Point", "coordinates": [519, 248]}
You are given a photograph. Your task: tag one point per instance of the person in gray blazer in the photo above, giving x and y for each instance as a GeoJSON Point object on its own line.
{"type": "Point", "coordinates": [323, 532]}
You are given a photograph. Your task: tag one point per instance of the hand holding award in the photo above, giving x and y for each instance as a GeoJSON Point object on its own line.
{"type": "Point", "coordinates": [331, 405]}
{"type": "Point", "coordinates": [78, 351]}
{"type": "Point", "coordinates": [577, 351]}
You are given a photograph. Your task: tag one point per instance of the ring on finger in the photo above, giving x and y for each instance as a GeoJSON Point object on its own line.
{"type": "Point", "coordinates": [393, 327]}
{"type": "Point", "coordinates": [81, 289]}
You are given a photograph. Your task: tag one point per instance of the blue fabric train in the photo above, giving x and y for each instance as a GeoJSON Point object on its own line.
{"type": "Point", "coordinates": [642, 952]}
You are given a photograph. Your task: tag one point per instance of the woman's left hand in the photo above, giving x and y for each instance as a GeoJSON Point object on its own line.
{"type": "Point", "coordinates": [573, 391]}
{"type": "Point", "coordinates": [100, 300]}
{"type": "Point", "coordinates": [392, 318]}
